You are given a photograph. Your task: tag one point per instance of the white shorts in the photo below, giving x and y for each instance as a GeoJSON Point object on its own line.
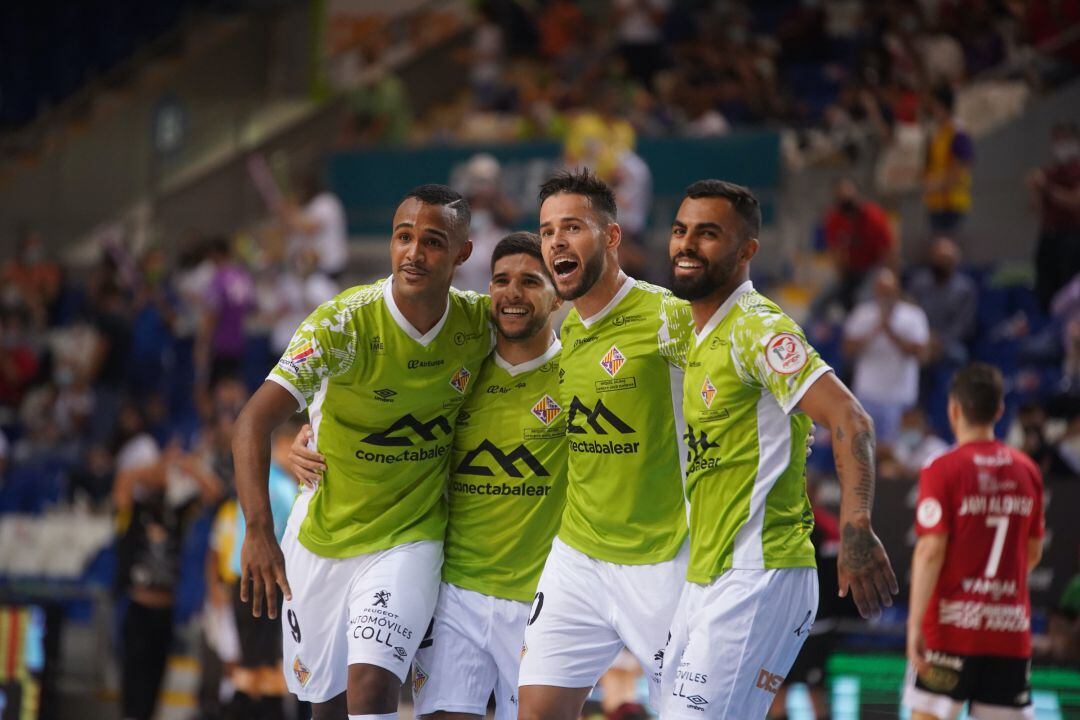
{"type": "Point", "coordinates": [370, 609]}
{"type": "Point", "coordinates": [474, 649]}
{"type": "Point", "coordinates": [587, 610]}
{"type": "Point", "coordinates": [734, 640]}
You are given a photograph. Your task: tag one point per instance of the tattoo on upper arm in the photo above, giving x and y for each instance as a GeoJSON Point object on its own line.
{"type": "Point", "coordinates": [858, 545]}
{"type": "Point", "coordinates": [862, 449]}
{"type": "Point", "coordinates": [839, 433]}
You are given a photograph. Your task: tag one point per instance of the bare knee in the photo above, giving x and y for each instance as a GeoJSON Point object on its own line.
{"type": "Point", "coordinates": [372, 690]}
{"type": "Point", "coordinates": [544, 702]}
{"type": "Point", "coordinates": [334, 709]}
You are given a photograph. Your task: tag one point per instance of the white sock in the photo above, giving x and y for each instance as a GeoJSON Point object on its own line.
{"type": "Point", "coordinates": [387, 716]}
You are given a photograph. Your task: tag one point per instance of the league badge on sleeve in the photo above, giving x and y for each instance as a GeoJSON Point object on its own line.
{"type": "Point", "coordinates": [786, 353]}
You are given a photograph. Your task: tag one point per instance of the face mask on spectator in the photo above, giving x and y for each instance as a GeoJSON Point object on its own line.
{"type": "Point", "coordinates": [1066, 150]}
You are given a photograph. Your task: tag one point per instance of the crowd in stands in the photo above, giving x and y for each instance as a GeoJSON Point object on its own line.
{"type": "Point", "coordinates": [848, 69]}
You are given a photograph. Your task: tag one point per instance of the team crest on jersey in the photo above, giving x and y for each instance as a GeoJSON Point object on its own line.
{"type": "Point", "coordinates": [420, 678]}
{"type": "Point", "coordinates": [546, 409]}
{"type": "Point", "coordinates": [786, 353]}
{"type": "Point", "coordinates": [301, 671]}
{"type": "Point", "coordinates": [708, 392]}
{"type": "Point", "coordinates": [460, 379]}
{"type": "Point", "coordinates": [612, 361]}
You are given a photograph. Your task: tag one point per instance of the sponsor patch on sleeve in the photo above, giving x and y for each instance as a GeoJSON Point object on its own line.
{"type": "Point", "coordinates": [929, 512]}
{"type": "Point", "coordinates": [786, 353]}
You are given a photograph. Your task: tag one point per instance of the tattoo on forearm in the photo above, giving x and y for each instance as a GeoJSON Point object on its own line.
{"type": "Point", "coordinates": [839, 433]}
{"type": "Point", "coordinates": [858, 545]}
{"type": "Point", "coordinates": [862, 449]}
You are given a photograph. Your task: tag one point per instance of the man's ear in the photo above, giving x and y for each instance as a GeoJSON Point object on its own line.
{"type": "Point", "coordinates": [749, 250]}
{"type": "Point", "coordinates": [614, 236]}
{"type": "Point", "coordinates": [464, 252]}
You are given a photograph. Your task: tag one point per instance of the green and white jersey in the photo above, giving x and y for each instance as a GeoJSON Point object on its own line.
{"type": "Point", "coordinates": [621, 381]}
{"type": "Point", "coordinates": [383, 399]}
{"type": "Point", "coordinates": [749, 367]}
{"type": "Point", "coordinates": [507, 478]}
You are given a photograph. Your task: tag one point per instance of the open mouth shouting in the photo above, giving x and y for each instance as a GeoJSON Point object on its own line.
{"type": "Point", "coordinates": [564, 266]}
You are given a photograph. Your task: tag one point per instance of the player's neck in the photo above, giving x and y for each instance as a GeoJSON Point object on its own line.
{"type": "Point", "coordinates": [702, 310]}
{"type": "Point", "coordinates": [422, 311]}
{"type": "Point", "coordinates": [974, 433]}
{"type": "Point", "coordinates": [602, 292]}
{"type": "Point", "coordinates": [523, 350]}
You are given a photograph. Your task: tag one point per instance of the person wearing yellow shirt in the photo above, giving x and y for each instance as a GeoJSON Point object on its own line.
{"type": "Point", "coordinates": [947, 180]}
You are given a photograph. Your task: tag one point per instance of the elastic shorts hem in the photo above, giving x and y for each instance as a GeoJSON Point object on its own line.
{"type": "Point", "coordinates": [401, 669]}
{"type": "Point", "coordinates": [313, 698]}
{"type": "Point", "coordinates": [480, 710]}
{"type": "Point", "coordinates": [552, 681]}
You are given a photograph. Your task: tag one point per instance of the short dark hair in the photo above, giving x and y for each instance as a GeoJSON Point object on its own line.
{"type": "Point", "coordinates": [980, 389]}
{"type": "Point", "coordinates": [435, 194]}
{"type": "Point", "coordinates": [582, 182]}
{"type": "Point", "coordinates": [518, 243]}
{"type": "Point", "coordinates": [744, 202]}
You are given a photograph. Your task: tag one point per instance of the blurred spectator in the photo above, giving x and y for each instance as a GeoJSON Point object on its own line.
{"type": "Point", "coordinates": [1055, 192]}
{"type": "Point", "coordinates": [632, 185]}
{"type": "Point", "coordinates": [260, 684]}
{"type": "Point", "coordinates": [155, 310]}
{"type": "Point", "coordinates": [222, 643]}
{"type": "Point", "coordinates": [5, 449]}
{"type": "Point", "coordinates": [916, 445]}
{"type": "Point", "coordinates": [134, 447]}
{"type": "Point", "coordinates": [886, 338]}
{"type": "Point", "coordinates": [154, 505]}
{"type": "Point", "coordinates": [859, 240]}
{"type": "Point", "coordinates": [230, 298]}
{"type": "Point", "coordinates": [949, 299]}
{"type": "Point", "coordinates": [560, 25]}
{"type": "Point", "coordinates": [1065, 461]}
{"type": "Point", "coordinates": [31, 280]}
{"type": "Point", "coordinates": [319, 225]}
{"type": "Point", "coordinates": [18, 361]}
{"type": "Point", "coordinates": [1031, 419]}
{"type": "Point", "coordinates": [300, 289]}
{"type": "Point", "coordinates": [1066, 310]}
{"type": "Point", "coordinates": [638, 30]}
{"type": "Point", "coordinates": [112, 357]}
{"type": "Point", "coordinates": [493, 214]}
{"type": "Point", "coordinates": [947, 181]}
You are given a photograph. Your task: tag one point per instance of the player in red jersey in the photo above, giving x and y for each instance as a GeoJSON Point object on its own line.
{"type": "Point", "coordinates": [980, 525]}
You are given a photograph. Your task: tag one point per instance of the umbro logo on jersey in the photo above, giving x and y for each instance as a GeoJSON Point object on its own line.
{"type": "Point", "coordinates": [460, 379]}
{"type": "Point", "coordinates": [424, 430]}
{"type": "Point", "coordinates": [546, 410]}
{"type": "Point", "coordinates": [596, 417]}
{"type": "Point", "coordinates": [708, 392]}
{"type": "Point", "coordinates": [385, 394]}
{"type": "Point", "coordinates": [507, 461]}
{"type": "Point", "coordinates": [612, 361]}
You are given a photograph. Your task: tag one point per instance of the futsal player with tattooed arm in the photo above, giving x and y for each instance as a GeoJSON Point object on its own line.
{"type": "Point", "coordinates": [753, 387]}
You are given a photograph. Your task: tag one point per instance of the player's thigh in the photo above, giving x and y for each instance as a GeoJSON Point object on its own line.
{"type": "Point", "coordinates": [505, 637]}
{"type": "Point", "coordinates": [678, 637]}
{"type": "Point", "coordinates": [452, 671]}
{"type": "Point", "coordinates": [939, 692]}
{"type": "Point", "coordinates": [647, 599]}
{"type": "Point", "coordinates": [548, 702]}
{"type": "Point", "coordinates": [390, 603]}
{"type": "Point", "coordinates": [1001, 689]}
{"type": "Point", "coordinates": [313, 623]}
{"type": "Point", "coordinates": [741, 643]}
{"type": "Point", "coordinates": [569, 639]}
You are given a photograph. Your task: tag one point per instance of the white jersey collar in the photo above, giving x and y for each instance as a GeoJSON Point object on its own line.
{"type": "Point", "coordinates": [627, 286]}
{"type": "Point", "coordinates": [403, 323]}
{"type": "Point", "coordinates": [722, 311]}
{"type": "Point", "coordinates": [515, 370]}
